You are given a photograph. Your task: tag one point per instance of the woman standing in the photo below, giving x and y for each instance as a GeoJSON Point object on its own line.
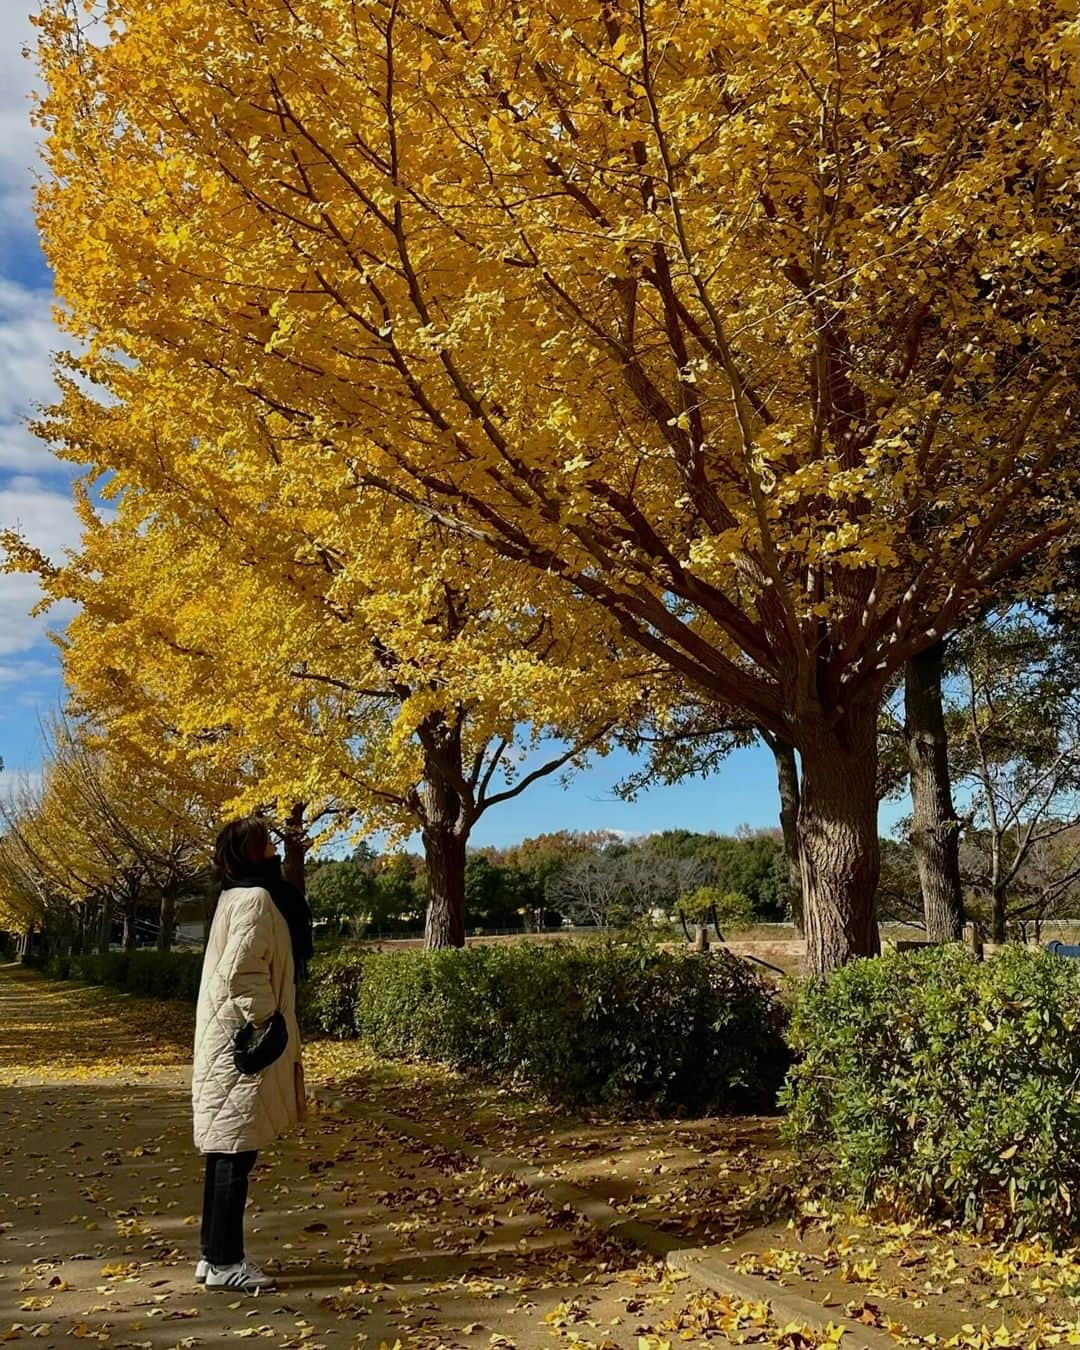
{"type": "Point", "coordinates": [259, 946]}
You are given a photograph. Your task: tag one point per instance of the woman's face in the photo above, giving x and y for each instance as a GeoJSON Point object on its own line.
{"type": "Point", "coordinates": [271, 851]}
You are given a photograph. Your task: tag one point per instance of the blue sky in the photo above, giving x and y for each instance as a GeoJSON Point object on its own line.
{"type": "Point", "coordinates": [34, 498]}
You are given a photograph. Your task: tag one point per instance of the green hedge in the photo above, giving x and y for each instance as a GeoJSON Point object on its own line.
{"type": "Point", "coordinates": [326, 1002]}
{"type": "Point", "coordinates": [618, 1025]}
{"type": "Point", "coordinates": [946, 1087]}
{"type": "Point", "coordinates": [610, 1024]}
{"type": "Point", "coordinates": [151, 974]}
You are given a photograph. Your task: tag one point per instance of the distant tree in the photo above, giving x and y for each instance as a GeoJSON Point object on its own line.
{"type": "Point", "coordinates": [531, 865]}
{"type": "Point", "coordinates": [602, 888]}
{"type": "Point", "coordinates": [399, 900]}
{"type": "Point", "coordinates": [1013, 719]}
{"type": "Point", "coordinates": [493, 893]}
{"type": "Point", "coordinates": [750, 863]}
{"type": "Point", "coordinates": [899, 898]}
{"type": "Point", "coordinates": [727, 911]}
{"type": "Point", "coordinates": [342, 891]}
{"type": "Point", "coordinates": [694, 741]}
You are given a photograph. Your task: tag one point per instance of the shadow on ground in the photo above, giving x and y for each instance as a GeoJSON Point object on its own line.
{"type": "Point", "coordinates": [101, 1188]}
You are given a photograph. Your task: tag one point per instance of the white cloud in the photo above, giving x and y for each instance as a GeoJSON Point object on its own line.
{"type": "Point", "coordinates": [45, 517]}
{"type": "Point", "coordinates": [18, 138]}
{"type": "Point", "coordinates": [28, 338]}
{"type": "Point", "coordinates": [17, 672]}
{"type": "Point", "coordinates": [28, 504]}
{"type": "Point", "coordinates": [19, 783]}
{"type": "Point", "coordinates": [23, 452]}
{"type": "Point", "coordinates": [31, 499]}
{"type": "Point", "coordinates": [47, 520]}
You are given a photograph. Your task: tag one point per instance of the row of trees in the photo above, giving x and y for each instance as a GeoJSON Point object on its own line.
{"type": "Point", "coordinates": [97, 843]}
{"type": "Point", "coordinates": [470, 377]}
{"type": "Point", "coordinates": [1008, 702]}
{"type": "Point", "coordinates": [1001, 704]}
{"type": "Point", "coordinates": [982, 734]}
{"type": "Point", "coordinates": [1011, 879]}
{"type": "Point", "coordinates": [566, 877]}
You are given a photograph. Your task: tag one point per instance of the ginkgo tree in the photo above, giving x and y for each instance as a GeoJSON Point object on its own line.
{"type": "Point", "coordinates": [104, 833]}
{"type": "Point", "coordinates": [751, 326]}
{"type": "Point", "coordinates": [148, 829]}
{"type": "Point", "coordinates": [50, 867]}
{"type": "Point", "coordinates": [25, 897]}
{"type": "Point", "coordinates": [221, 640]}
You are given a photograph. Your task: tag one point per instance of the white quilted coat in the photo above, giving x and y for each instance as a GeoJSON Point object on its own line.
{"type": "Point", "coordinates": [247, 973]}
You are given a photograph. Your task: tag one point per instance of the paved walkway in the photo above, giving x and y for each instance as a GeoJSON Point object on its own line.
{"type": "Point", "coordinates": [376, 1240]}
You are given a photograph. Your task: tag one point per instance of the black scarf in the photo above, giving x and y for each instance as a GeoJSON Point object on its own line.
{"type": "Point", "coordinates": [294, 908]}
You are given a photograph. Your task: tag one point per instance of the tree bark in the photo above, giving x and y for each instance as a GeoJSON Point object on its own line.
{"type": "Point", "coordinates": [445, 832]}
{"type": "Point", "coordinates": [131, 936]}
{"type": "Point", "coordinates": [444, 854]}
{"type": "Point", "coordinates": [935, 834]}
{"type": "Point", "coordinates": [105, 927]}
{"type": "Point", "coordinates": [838, 840]}
{"type": "Point", "coordinates": [787, 779]}
{"type": "Point", "coordinates": [296, 846]}
{"type": "Point", "coordinates": [998, 899]}
{"type": "Point", "coordinates": [89, 931]}
{"type": "Point", "coordinates": [167, 921]}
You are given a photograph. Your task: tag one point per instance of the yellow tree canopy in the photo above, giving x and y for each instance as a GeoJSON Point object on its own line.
{"type": "Point", "coordinates": [103, 827]}
{"type": "Point", "coordinates": [756, 308]}
{"type": "Point", "coordinates": [750, 324]}
{"type": "Point", "coordinates": [238, 658]}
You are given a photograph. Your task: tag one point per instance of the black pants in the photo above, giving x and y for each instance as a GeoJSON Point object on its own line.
{"type": "Point", "coordinates": [224, 1197]}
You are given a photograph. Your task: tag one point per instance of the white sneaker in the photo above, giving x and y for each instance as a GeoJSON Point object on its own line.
{"type": "Point", "coordinates": [245, 1277]}
{"type": "Point", "coordinates": [201, 1267]}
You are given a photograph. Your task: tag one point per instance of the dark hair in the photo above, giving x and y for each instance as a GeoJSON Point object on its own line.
{"type": "Point", "coordinates": [241, 842]}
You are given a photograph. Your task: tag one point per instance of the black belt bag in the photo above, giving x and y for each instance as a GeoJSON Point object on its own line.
{"type": "Point", "coordinates": [256, 1048]}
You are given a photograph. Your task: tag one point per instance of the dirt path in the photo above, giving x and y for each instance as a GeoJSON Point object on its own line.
{"type": "Point", "coordinates": [381, 1240]}
{"type": "Point", "coordinates": [376, 1241]}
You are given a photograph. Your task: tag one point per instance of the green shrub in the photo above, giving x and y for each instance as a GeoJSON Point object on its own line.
{"type": "Point", "coordinates": [946, 1087]}
{"type": "Point", "coordinates": [164, 975]}
{"type": "Point", "coordinates": [619, 1025]}
{"type": "Point", "coordinates": [326, 1002]}
{"type": "Point", "coordinates": [57, 967]}
{"type": "Point", "coordinates": [150, 974]}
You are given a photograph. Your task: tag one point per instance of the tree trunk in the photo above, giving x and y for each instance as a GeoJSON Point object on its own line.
{"type": "Point", "coordinates": [787, 779]}
{"type": "Point", "coordinates": [998, 897]}
{"type": "Point", "coordinates": [166, 921]}
{"type": "Point", "coordinates": [445, 832]}
{"type": "Point", "coordinates": [90, 922]}
{"type": "Point", "coordinates": [296, 846]}
{"type": "Point", "coordinates": [444, 854]}
{"type": "Point", "coordinates": [131, 934]}
{"type": "Point", "coordinates": [838, 840]}
{"type": "Point", "coordinates": [935, 834]}
{"type": "Point", "coordinates": [105, 927]}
